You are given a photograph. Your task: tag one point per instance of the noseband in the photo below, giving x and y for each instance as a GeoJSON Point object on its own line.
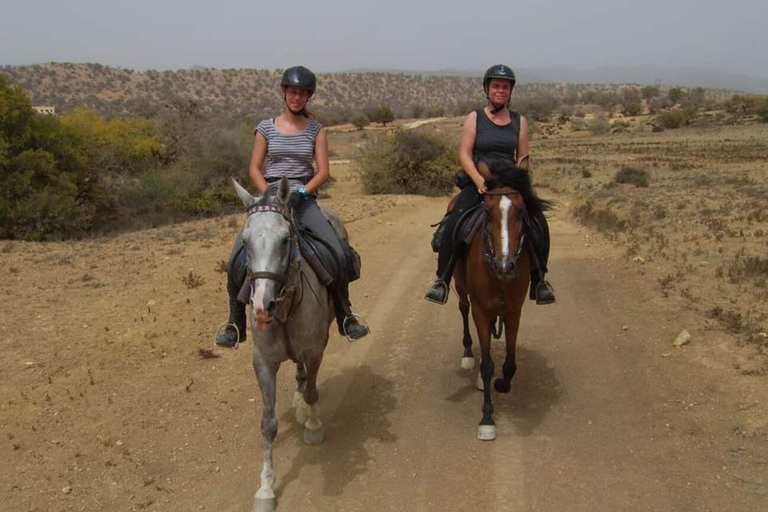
{"type": "Point", "coordinates": [489, 255]}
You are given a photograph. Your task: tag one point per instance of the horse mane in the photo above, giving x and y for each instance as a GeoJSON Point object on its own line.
{"type": "Point", "coordinates": [507, 174]}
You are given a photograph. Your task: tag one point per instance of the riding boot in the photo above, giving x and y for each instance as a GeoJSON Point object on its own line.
{"type": "Point", "coordinates": [438, 290]}
{"type": "Point", "coordinates": [349, 323]}
{"type": "Point", "coordinates": [541, 290]}
{"type": "Point", "coordinates": [234, 331]}
{"type": "Point", "coordinates": [235, 328]}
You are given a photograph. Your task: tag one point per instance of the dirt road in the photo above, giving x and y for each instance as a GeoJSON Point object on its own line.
{"type": "Point", "coordinates": [106, 404]}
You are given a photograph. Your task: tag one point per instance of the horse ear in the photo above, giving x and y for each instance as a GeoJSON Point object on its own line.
{"type": "Point", "coordinates": [484, 171]}
{"type": "Point", "coordinates": [243, 194]}
{"type": "Point", "coordinates": [283, 192]}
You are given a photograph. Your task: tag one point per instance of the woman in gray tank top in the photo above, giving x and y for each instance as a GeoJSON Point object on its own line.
{"type": "Point", "coordinates": [288, 146]}
{"type": "Point", "coordinates": [493, 133]}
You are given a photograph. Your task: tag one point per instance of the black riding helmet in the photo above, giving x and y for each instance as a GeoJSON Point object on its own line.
{"type": "Point", "coordinates": [498, 71]}
{"type": "Point", "coordinates": [299, 76]}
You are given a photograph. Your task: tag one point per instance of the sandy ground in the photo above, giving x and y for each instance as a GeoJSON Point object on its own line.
{"type": "Point", "coordinates": [107, 404]}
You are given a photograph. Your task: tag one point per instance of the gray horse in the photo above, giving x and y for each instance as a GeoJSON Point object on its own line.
{"type": "Point", "coordinates": [291, 311]}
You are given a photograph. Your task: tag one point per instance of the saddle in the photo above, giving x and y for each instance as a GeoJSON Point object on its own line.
{"type": "Point", "coordinates": [316, 253]}
{"type": "Point", "coordinates": [465, 230]}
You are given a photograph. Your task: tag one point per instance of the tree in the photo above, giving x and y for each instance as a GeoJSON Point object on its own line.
{"type": "Point", "coordinates": [675, 94]}
{"type": "Point", "coordinates": [650, 91]}
{"type": "Point", "coordinates": [360, 120]}
{"type": "Point", "coordinates": [382, 114]}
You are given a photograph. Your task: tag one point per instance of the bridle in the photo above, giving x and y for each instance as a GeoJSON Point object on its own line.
{"type": "Point", "coordinates": [293, 262]}
{"type": "Point", "coordinates": [489, 255]}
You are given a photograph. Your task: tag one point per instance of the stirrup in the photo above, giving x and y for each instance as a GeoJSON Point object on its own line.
{"type": "Point", "coordinates": [360, 321]}
{"type": "Point", "coordinates": [224, 327]}
{"type": "Point", "coordinates": [438, 282]}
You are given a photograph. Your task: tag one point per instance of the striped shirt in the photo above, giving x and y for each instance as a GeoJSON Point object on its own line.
{"type": "Point", "coordinates": [291, 156]}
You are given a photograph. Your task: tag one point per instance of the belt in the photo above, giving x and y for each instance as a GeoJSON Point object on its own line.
{"type": "Point", "coordinates": [274, 179]}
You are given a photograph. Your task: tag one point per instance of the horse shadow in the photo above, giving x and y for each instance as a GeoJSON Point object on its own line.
{"type": "Point", "coordinates": [361, 415]}
{"type": "Point", "coordinates": [535, 389]}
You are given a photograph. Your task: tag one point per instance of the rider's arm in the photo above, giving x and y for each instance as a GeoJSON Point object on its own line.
{"type": "Point", "coordinates": [321, 161]}
{"type": "Point", "coordinates": [256, 171]}
{"type": "Point", "coordinates": [468, 133]}
{"type": "Point", "coordinates": [523, 146]}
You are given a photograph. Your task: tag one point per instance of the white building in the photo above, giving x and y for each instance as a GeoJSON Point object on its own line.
{"type": "Point", "coordinates": [46, 110]}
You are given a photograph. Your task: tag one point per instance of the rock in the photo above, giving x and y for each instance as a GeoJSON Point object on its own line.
{"type": "Point", "coordinates": [67, 489]}
{"type": "Point", "coordinates": [624, 327]}
{"type": "Point", "coordinates": [639, 260]}
{"type": "Point", "coordinates": [682, 339]}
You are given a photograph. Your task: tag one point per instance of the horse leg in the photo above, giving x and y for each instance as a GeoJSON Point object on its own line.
{"type": "Point", "coordinates": [313, 427]}
{"type": "Point", "coordinates": [468, 360]}
{"type": "Point", "coordinates": [508, 369]}
{"type": "Point", "coordinates": [300, 408]}
{"type": "Point", "coordinates": [267, 375]}
{"type": "Point", "coordinates": [487, 429]}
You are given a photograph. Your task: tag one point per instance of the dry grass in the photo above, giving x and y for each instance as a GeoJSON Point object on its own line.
{"type": "Point", "coordinates": [702, 219]}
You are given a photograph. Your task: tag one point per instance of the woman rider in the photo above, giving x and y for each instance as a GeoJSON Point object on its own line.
{"type": "Point", "coordinates": [489, 134]}
{"type": "Point", "coordinates": [289, 144]}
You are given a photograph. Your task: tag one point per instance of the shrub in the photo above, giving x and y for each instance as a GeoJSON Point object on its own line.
{"type": "Point", "coordinates": [632, 175]}
{"type": "Point", "coordinates": [408, 162]}
{"type": "Point", "coordinates": [762, 111]}
{"type": "Point", "coordinates": [604, 221]}
{"type": "Point", "coordinates": [599, 125]}
{"type": "Point", "coordinates": [674, 118]}
{"type": "Point", "coordinates": [634, 108]}
{"type": "Point", "coordinates": [620, 126]}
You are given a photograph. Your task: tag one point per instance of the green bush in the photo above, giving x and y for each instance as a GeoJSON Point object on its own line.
{"type": "Point", "coordinates": [634, 176]}
{"type": "Point", "coordinates": [408, 162]}
{"type": "Point", "coordinates": [674, 118]}
{"type": "Point", "coordinates": [599, 125]}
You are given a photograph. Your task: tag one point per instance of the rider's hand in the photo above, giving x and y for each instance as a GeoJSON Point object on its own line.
{"type": "Point", "coordinates": [480, 184]}
{"type": "Point", "coordinates": [294, 199]}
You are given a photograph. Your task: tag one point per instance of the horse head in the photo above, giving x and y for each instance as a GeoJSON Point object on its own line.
{"type": "Point", "coordinates": [270, 243]}
{"type": "Point", "coordinates": [505, 219]}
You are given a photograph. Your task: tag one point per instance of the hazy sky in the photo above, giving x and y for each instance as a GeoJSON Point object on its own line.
{"type": "Point", "coordinates": [334, 35]}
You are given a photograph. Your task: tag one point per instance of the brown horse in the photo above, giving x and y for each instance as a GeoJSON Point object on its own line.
{"type": "Point", "coordinates": [493, 280]}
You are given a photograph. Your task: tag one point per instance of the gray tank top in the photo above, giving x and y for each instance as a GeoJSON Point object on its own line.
{"type": "Point", "coordinates": [494, 142]}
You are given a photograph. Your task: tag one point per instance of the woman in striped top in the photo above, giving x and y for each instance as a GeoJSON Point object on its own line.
{"type": "Point", "coordinates": [288, 145]}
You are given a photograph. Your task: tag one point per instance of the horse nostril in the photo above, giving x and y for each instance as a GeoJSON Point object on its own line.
{"type": "Point", "coordinates": [271, 305]}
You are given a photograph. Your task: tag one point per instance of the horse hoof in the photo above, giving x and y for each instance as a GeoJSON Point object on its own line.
{"type": "Point", "coordinates": [263, 504]}
{"type": "Point", "coordinates": [486, 432]}
{"type": "Point", "coordinates": [467, 363]}
{"type": "Point", "coordinates": [298, 399]}
{"type": "Point", "coordinates": [479, 384]}
{"type": "Point", "coordinates": [301, 413]}
{"type": "Point", "coordinates": [314, 436]}
{"type": "Point", "coordinates": [501, 386]}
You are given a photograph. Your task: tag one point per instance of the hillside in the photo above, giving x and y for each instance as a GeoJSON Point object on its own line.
{"type": "Point", "coordinates": [116, 91]}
